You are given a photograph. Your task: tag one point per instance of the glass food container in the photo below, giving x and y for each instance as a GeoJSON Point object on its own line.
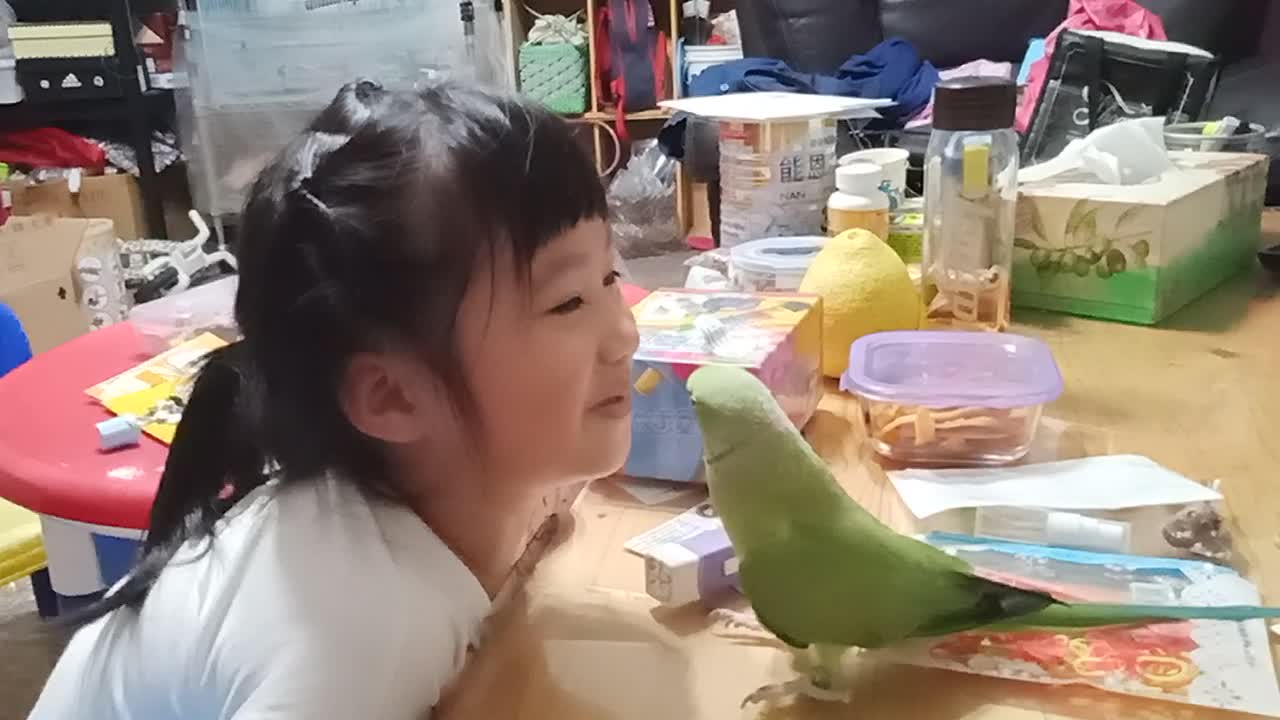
{"type": "Point", "coordinates": [951, 398]}
{"type": "Point", "coordinates": [971, 192]}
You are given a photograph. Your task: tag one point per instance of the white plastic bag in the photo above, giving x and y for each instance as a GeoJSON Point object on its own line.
{"type": "Point", "coordinates": [642, 204]}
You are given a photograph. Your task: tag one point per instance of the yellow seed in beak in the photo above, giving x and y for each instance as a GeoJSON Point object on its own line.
{"type": "Point", "coordinates": [648, 380]}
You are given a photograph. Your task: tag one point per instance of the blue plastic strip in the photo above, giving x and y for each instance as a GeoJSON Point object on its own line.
{"type": "Point", "coordinates": [116, 556]}
{"type": "Point", "coordinates": [1084, 557]}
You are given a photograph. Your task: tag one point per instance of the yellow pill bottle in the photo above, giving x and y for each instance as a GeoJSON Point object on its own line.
{"type": "Point", "coordinates": [858, 202]}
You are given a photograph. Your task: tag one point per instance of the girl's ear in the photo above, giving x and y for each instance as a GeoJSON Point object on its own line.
{"type": "Point", "coordinates": [388, 397]}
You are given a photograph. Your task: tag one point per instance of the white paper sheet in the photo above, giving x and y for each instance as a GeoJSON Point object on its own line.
{"type": "Point", "coordinates": [776, 106]}
{"type": "Point", "coordinates": [1108, 482]}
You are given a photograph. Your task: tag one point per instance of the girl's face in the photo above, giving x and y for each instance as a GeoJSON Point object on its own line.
{"type": "Point", "coordinates": [549, 364]}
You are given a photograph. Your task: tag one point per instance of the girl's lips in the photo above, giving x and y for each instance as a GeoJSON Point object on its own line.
{"type": "Point", "coordinates": [614, 406]}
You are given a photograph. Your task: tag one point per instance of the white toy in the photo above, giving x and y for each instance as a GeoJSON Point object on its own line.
{"type": "Point", "coordinates": [172, 273]}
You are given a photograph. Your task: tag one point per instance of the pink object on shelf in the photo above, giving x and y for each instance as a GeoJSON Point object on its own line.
{"type": "Point", "coordinates": [1122, 16]}
{"type": "Point", "coordinates": [49, 457]}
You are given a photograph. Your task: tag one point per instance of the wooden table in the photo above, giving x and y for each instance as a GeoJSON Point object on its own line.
{"type": "Point", "coordinates": [1200, 394]}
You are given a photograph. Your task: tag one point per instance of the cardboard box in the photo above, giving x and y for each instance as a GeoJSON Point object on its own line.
{"type": "Point", "coordinates": [777, 336]}
{"type": "Point", "coordinates": [57, 275]}
{"type": "Point", "coordinates": [114, 197]}
{"type": "Point", "coordinates": [1137, 253]}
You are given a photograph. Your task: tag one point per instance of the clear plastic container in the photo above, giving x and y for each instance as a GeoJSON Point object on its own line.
{"type": "Point", "coordinates": [971, 192]}
{"type": "Point", "coordinates": [775, 178]}
{"type": "Point", "coordinates": [174, 319]}
{"type": "Point", "coordinates": [951, 398]}
{"type": "Point", "coordinates": [1190, 136]}
{"type": "Point", "coordinates": [772, 264]}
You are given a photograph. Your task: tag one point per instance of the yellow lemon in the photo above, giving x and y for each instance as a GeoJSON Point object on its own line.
{"type": "Point", "coordinates": [865, 288]}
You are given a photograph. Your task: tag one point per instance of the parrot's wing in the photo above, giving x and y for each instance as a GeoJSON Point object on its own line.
{"type": "Point", "coordinates": [818, 587]}
{"type": "Point", "coordinates": [994, 602]}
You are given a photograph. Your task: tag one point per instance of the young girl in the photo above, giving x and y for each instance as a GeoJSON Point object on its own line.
{"type": "Point", "coordinates": [433, 339]}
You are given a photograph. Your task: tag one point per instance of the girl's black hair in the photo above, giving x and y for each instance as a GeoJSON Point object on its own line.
{"type": "Point", "coordinates": [362, 234]}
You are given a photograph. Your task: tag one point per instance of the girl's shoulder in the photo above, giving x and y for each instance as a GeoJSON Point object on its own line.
{"type": "Point", "coordinates": [325, 532]}
{"type": "Point", "coordinates": [352, 598]}
{"type": "Point", "coordinates": [311, 596]}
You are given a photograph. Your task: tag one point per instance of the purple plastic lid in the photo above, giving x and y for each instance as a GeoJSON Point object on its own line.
{"type": "Point", "coordinates": [952, 369]}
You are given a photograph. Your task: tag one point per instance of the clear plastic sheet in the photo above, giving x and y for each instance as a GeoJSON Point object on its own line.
{"type": "Point", "coordinates": [258, 72]}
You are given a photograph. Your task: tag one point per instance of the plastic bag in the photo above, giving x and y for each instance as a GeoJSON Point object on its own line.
{"type": "Point", "coordinates": [716, 259]}
{"type": "Point", "coordinates": [174, 319]}
{"type": "Point", "coordinates": [1122, 16]}
{"type": "Point", "coordinates": [642, 204]}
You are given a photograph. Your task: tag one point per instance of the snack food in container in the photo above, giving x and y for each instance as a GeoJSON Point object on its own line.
{"type": "Point", "coordinates": [951, 397]}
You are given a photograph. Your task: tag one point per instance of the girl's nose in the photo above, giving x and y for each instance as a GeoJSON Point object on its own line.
{"type": "Point", "coordinates": [623, 338]}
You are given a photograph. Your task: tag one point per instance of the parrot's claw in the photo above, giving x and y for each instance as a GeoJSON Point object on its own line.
{"type": "Point", "coordinates": [799, 686]}
{"type": "Point", "coordinates": [734, 620]}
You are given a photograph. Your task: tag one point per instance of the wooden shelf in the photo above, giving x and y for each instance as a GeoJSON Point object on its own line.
{"type": "Point", "coordinates": [666, 15]}
{"type": "Point", "coordinates": [606, 116]}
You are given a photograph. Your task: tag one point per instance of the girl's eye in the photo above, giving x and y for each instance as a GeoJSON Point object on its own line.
{"type": "Point", "coordinates": [568, 306]}
{"type": "Point", "coordinates": [577, 302]}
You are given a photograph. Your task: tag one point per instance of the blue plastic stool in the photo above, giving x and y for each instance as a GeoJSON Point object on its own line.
{"type": "Point", "coordinates": [15, 349]}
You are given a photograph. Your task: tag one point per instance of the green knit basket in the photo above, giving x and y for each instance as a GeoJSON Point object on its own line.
{"type": "Point", "coordinates": [555, 75]}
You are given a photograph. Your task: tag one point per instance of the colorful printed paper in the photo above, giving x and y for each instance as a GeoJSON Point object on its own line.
{"type": "Point", "coordinates": [156, 390]}
{"type": "Point", "coordinates": [1210, 663]}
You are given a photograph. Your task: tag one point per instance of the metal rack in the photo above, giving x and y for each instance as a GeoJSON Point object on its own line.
{"type": "Point", "coordinates": [140, 110]}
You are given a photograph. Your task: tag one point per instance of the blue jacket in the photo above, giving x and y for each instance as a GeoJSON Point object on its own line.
{"type": "Point", "coordinates": [893, 69]}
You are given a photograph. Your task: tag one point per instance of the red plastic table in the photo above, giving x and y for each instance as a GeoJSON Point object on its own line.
{"type": "Point", "coordinates": [49, 457]}
{"type": "Point", "coordinates": [93, 506]}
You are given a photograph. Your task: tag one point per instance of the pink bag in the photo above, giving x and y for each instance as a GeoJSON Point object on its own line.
{"type": "Point", "coordinates": [1122, 16]}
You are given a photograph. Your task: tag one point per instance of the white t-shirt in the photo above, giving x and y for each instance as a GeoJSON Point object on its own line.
{"type": "Point", "coordinates": [313, 601]}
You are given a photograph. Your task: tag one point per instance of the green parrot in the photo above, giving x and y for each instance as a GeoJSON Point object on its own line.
{"type": "Point", "coordinates": [824, 574]}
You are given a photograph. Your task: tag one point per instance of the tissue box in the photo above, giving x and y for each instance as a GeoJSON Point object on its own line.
{"type": "Point", "coordinates": [777, 336]}
{"type": "Point", "coordinates": [1137, 253]}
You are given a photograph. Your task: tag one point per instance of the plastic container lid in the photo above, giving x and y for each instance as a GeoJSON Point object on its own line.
{"type": "Point", "coordinates": [974, 103]}
{"type": "Point", "coordinates": [859, 178]}
{"type": "Point", "coordinates": [785, 255]}
{"type": "Point", "coordinates": [952, 368]}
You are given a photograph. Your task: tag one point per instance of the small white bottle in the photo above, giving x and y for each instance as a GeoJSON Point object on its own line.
{"type": "Point", "coordinates": [858, 201]}
{"type": "Point", "coordinates": [1051, 527]}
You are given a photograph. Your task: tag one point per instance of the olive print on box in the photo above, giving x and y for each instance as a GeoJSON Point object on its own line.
{"type": "Point", "coordinates": [1138, 253]}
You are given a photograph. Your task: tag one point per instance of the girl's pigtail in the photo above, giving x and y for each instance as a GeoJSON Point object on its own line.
{"type": "Point", "coordinates": [212, 462]}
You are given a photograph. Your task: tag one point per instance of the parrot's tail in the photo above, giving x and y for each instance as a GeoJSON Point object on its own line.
{"type": "Point", "coordinates": [1087, 615]}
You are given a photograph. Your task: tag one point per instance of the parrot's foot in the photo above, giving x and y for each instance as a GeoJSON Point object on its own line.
{"type": "Point", "coordinates": [734, 620]}
{"type": "Point", "coordinates": [800, 686]}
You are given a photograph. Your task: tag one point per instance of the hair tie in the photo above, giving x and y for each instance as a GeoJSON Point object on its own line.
{"type": "Point", "coordinates": [310, 197]}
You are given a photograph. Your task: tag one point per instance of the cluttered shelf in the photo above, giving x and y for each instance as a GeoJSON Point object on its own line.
{"type": "Point", "coordinates": [607, 116]}
{"type": "Point", "coordinates": [158, 102]}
